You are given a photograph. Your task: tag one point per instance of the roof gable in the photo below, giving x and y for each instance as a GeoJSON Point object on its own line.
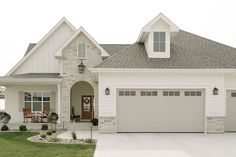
{"type": "Point", "coordinates": [149, 26]}
{"type": "Point", "coordinates": [34, 48]}
{"type": "Point", "coordinates": [58, 53]}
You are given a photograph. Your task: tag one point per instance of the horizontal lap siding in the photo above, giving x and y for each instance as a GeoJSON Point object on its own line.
{"type": "Point", "coordinates": [215, 104]}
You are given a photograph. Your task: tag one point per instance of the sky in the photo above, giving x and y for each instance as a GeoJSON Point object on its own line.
{"type": "Point", "coordinates": [108, 21]}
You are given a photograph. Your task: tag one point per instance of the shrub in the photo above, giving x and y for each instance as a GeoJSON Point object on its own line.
{"type": "Point", "coordinates": [74, 136]}
{"type": "Point", "coordinates": [44, 127]}
{"type": "Point", "coordinates": [4, 117]}
{"type": "Point", "coordinates": [89, 141]}
{"type": "Point", "coordinates": [54, 139]}
{"type": "Point", "coordinates": [94, 121]}
{"type": "Point", "coordinates": [4, 128]}
{"type": "Point", "coordinates": [53, 117]}
{"type": "Point", "coordinates": [22, 128]}
{"type": "Point", "coordinates": [49, 133]}
{"type": "Point", "coordinates": [43, 135]}
{"type": "Point", "coordinates": [54, 131]}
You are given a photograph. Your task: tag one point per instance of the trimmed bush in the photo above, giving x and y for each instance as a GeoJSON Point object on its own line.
{"type": "Point", "coordinates": [74, 135]}
{"type": "Point", "coordinates": [22, 128]}
{"type": "Point", "coordinates": [43, 135]}
{"type": "Point", "coordinates": [4, 128]}
{"type": "Point", "coordinates": [89, 141]}
{"type": "Point", "coordinates": [94, 121]}
{"type": "Point", "coordinates": [54, 131]}
{"type": "Point", "coordinates": [49, 133]}
{"type": "Point", "coordinates": [44, 127]}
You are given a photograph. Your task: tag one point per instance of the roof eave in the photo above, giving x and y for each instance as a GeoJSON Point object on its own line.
{"type": "Point", "coordinates": [145, 70]}
{"type": "Point", "coordinates": [5, 80]}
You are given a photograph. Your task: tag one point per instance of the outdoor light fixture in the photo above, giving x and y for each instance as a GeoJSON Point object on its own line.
{"type": "Point", "coordinates": [81, 67]}
{"type": "Point", "coordinates": [215, 91]}
{"type": "Point", "coordinates": [107, 91]}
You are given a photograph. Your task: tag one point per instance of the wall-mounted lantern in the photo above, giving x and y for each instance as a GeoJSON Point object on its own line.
{"type": "Point", "coordinates": [81, 67]}
{"type": "Point", "coordinates": [215, 91]}
{"type": "Point", "coordinates": [107, 91]}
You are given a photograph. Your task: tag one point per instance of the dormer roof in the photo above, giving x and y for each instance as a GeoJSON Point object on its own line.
{"type": "Point", "coordinates": [148, 27]}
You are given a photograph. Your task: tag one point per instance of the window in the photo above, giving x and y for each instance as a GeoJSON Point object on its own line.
{"type": "Point", "coordinates": [81, 50]}
{"type": "Point", "coordinates": [192, 93]}
{"type": "Point", "coordinates": [127, 93]}
{"type": "Point", "coordinates": [171, 93]}
{"type": "Point", "coordinates": [233, 94]}
{"type": "Point", "coordinates": [159, 41]}
{"type": "Point", "coordinates": [148, 93]}
{"type": "Point", "coordinates": [36, 101]}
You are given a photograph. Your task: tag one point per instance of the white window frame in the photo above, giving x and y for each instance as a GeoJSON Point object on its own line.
{"type": "Point", "coordinates": [158, 42]}
{"type": "Point", "coordinates": [78, 50]}
{"type": "Point", "coordinates": [32, 101]}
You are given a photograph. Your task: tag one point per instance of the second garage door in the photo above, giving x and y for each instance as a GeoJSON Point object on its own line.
{"type": "Point", "coordinates": [144, 110]}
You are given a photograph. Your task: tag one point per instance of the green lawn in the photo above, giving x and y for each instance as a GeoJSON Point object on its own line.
{"type": "Point", "coordinates": [16, 144]}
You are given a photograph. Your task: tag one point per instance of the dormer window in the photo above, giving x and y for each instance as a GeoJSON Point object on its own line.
{"type": "Point", "coordinates": [82, 50]}
{"type": "Point", "coordinates": [159, 41]}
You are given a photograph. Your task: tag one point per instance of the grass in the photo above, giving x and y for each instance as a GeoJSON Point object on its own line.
{"type": "Point", "coordinates": [16, 144]}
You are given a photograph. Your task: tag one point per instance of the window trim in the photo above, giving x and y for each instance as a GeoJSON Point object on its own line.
{"type": "Point", "coordinates": [42, 101]}
{"type": "Point", "coordinates": [159, 42]}
{"type": "Point", "coordinates": [85, 50]}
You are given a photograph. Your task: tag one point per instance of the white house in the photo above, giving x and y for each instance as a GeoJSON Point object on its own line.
{"type": "Point", "coordinates": [169, 80]}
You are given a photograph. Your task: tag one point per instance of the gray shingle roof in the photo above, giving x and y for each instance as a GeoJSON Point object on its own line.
{"type": "Point", "coordinates": [110, 48]}
{"type": "Point", "coordinates": [114, 48]}
{"type": "Point", "coordinates": [35, 75]}
{"type": "Point", "coordinates": [188, 51]}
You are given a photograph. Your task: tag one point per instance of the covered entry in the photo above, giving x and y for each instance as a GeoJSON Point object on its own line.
{"type": "Point", "coordinates": [160, 110]}
{"type": "Point", "coordinates": [82, 101]}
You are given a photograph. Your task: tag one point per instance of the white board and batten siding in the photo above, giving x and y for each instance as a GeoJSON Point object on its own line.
{"type": "Point", "coordinates": [214, 104]}
{"type": "Point", "coordinates": [43, 60]}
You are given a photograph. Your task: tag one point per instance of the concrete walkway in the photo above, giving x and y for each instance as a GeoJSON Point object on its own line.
{"type": "Point", "coordinates": [166, 145]}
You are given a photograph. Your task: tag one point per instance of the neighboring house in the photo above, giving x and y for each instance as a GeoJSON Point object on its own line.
{"type": "Point", "coordinates": [169, 80]}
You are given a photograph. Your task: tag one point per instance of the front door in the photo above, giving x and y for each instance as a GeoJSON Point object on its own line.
{"type": "Point", "coordinates": [87, 106]}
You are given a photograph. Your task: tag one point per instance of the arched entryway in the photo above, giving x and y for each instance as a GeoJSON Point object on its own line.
{"type": "Point", "coordinates": [82, 101]}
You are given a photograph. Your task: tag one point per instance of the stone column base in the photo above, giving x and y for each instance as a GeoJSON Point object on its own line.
{"type": "Point", "coordinates": [215, 125]}
{"type": "Point", "coordinates": [107, 125]}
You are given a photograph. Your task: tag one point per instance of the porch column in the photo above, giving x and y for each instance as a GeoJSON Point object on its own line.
{"type": "Point", "coordinates": [59, 102]}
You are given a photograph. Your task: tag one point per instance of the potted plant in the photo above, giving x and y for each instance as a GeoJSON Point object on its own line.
{"type": "Point", "coordinates": [94, 121]}
{"type": "Point", "coordinates": [4, 117]}
{"type": "Point", "coordinates": [52, 118]}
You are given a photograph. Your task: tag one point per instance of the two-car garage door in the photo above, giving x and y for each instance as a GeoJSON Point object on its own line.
{"type": "Point", "coordinates": [149, 110]}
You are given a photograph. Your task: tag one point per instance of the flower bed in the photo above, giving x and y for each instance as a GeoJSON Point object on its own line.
{"type": "Point", "coordinates": [54, 139]}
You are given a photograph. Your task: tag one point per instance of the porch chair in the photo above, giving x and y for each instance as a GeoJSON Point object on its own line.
{"type": "Point", "coordinates": [74, 118]}
{"type": "Point", "coordinates": [45, 114]}
{"type": "Point", "coordinates": [27, 114]}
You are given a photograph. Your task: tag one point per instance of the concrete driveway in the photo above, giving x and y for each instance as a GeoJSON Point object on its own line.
{"type": "Point", "coordinates": [166, 145]}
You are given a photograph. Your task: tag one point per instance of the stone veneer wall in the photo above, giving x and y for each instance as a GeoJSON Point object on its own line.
{"type": "Point", "coordinates": [107, 125]}
{"type": "Point", "coordinates": [215, 125]}
{"type": "Point", "coordinates": [71, 75]}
